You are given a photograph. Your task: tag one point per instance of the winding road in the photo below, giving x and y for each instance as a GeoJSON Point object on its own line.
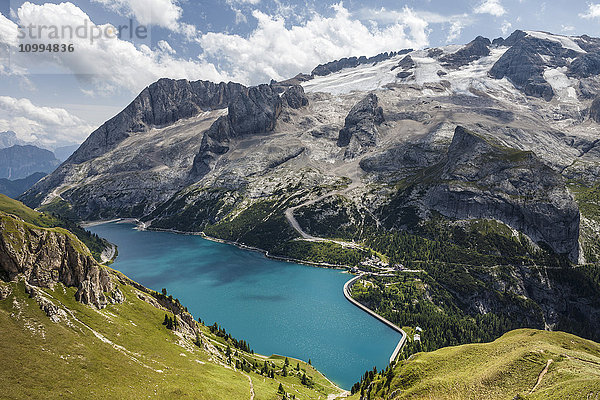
{"type": "Point", "coordinates": [289, 215]}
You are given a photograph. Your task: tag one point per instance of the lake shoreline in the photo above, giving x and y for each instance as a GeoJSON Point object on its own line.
{"type": "Point", "coordinates": [142, 227]}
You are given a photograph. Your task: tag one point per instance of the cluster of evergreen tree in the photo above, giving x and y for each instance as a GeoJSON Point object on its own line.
{"type": "Point", "coordinates": [163, 296]}
{"type": "Point", "coordinates": [482, 242]}
{"type": "Point", "coordinates": [364, 383]}
{"type": "Point", "coordinates": [219, 331]}
{"type": "Point", "coordinates": [440, 316]}
{"type": "Point", "coordinates": [281, 391]}
{"type": "Point", "coordinates": [170, 323]}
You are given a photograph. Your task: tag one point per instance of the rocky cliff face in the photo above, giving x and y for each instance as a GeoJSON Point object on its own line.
{"type": "Point", "coordinates": [479, 47]}
{"type": "Point", "coordinates": [482, 180]}
{"type": "Point", "coordinates": [18, 162]}
{"type": "Point", "coordinates": [162, 103]}
{"type": "Point", "coordinates": [49, 256]}
{"type": "Point", "coordinates": [360, 127]}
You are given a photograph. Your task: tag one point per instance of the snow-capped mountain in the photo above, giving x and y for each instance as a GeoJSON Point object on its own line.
{"type": "Point", "coordinates": [186, 155]}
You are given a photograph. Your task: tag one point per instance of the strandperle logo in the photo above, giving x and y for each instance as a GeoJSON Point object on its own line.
{"type": "Point", "coordinates": [84, 31]}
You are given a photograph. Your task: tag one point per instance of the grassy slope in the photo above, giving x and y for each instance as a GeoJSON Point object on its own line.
{"type": "Point", "coordinates": [503, 369]}
{"type": "Point", "coordinates": [50, 360]}
{"type": "Point", "coordinates": [122, 351]}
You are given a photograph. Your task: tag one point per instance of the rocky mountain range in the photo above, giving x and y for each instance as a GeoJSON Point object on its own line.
{"type": "Point", "coordinates": [493, 129]}
{"type": "Point", "coordinates": [9, 138]}
{"type": "Point", "coordinates": [14, 188]}
{"type": "Point", "coordinates": [18, 162]}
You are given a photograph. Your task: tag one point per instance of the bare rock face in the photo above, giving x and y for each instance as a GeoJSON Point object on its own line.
{"type": "Point", "coordinates": [250, 112]}
{"type": "Point", "coordinates": [161, 103]}
{"type": "Point", "coordinates": [48, 256]}
{"type": "Point", "coordinates": [360, 126]}
{"type": "Point", "coordinates": [525, 61]}
{"type": "Point", "coordinates": [351, 62]}
{"type": "Point", "coordinates": [479, 47]}
{"type": "Point", "coordinates": [595, 110]}
{"type": "Point", "coordinates": [294, 97]}
{"type": "Point", "coordinates": [482, 180]}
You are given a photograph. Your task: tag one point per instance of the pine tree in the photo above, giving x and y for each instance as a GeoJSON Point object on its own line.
{"type": "Point", "coordinates": [287, 362]}
{"type": "Point", "coordinates": [166, 321]}
{"type": "Point", "coordinates": [298, 367]}
{"type": "Point", "coordinates": [284, 372]}
{"type": "Point", "coordinates": [304, 380]}
{"type": "Point", "coordinates": [281, 390]}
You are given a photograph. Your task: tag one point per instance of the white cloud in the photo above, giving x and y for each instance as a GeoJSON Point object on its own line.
{"type": "Point", "coordinates": [493, 7]}
{"type": "Point", "coordinates": [165, 13]}
{"type": "Point", "coordinates": [165, 46]}
{"type": "Point", "coordinates": [253, 2]}
{"type": "Point", "coordinates": [107, 62]}
{"type": "Point", "coordinates": [506, 27]}
{"type": "Point", "coordinates": [8, 31]}
{"type": "Point", "coordinates": [454, 23]}
{"type": "Point", "coordinates": [455, 30]}
{"type": "Point", "coordinates": [45, 125]}
{"type": "Point", "coordinates": [593, 11]}
{"type": "Point", "coordinates": [274, 50]}
{"type": "Point", "coordinates": [239, 16]}
{"type": "Point", "coordinates": [567, 28]}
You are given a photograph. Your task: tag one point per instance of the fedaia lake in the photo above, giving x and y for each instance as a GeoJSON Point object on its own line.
{"type": "Point", "coordinates": [277, 307]}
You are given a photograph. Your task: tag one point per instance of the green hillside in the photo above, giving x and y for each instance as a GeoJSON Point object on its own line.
{"type": "Point", "coordinates": [124, 351]}
{"type": "Point", "coordinates": [51, 220]}
{"type": "Point", "coordinates": [53, 346]}
{"type": "Point", "coordinates": [508, 368]}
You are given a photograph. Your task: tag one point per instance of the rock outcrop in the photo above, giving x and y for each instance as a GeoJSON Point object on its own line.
{"type": "Point", "coordinates": [585, 65]}
{"type": "Point", "coordinates": [480, 179]}
{"type": "Point", "coordinates": [161, 103]}
{"type": "Point", "coordinates": [295, 97]}
{"type": "Point", "coordinates": [351, 62]}
{"type": "Point", "coordinates": [45, 257]}
{"type": "Point", "coordinates": [252, 111]}
{"type": "Point", "coordinates": [525, 61]}
{"type": "Point", "coordinates": [479, 47]}
{"type": "Point", "coordinates": [360, 126]}
{"type": "Point", "coordinates": [595, 110]}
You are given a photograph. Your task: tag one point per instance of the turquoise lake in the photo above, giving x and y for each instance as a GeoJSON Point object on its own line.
{"type": "Point", "coordinates": [277, 307]}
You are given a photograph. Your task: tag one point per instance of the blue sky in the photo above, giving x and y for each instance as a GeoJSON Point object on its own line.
{"type": "Point", "coordinates": [60, 98]}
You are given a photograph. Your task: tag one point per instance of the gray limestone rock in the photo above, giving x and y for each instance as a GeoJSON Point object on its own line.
{"type": "Point", "coordinates": [294, 97]}
{"type": "Point", "coordinates": [161, 103]}
{"type": "Point", "coordinates": [360, 126]}
{"type": "Point", "coordinates": [479, 47]}
{"type": "Point", "coordinates": [480, 179]}
{"type": "Point", "coordinates": [45, 257]}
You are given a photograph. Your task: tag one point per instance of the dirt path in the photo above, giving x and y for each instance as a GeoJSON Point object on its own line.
{"type": "Point", "coordinates": [539, 380]}
{"type": "Point", "coordinates": [341, 395]}
{"type": "Point", "coordinates": [251, 386]}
